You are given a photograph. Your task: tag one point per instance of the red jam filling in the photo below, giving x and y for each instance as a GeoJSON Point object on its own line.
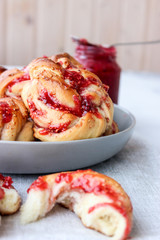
{"type": "Point", "coordinates": [89, 106]}
{"type": "Point", "coordinates": [2, 193]}
{"type": "Point", "coordinates": [6, 112]}
{"type": "Point", "coordinates": [67, 177]}
{"type": "Point", "coordinates": [98, 205]}
{"type": "Point", "coordinates": [55, 129]}
{"type": "Point", "coordinates": [38, 184]}
{"type": "Point", "coordinates": [34, 112]}
{"type": "Point", "coordinates": [88, 183]}
{"type": "Point", "coordinates": [101, 61]}
{"type": "Point", "coordinates": [24, 77]}
{"type": "Point", "coordinates": [51, 101]}
{"type": "Point", "coordinates": [7, 181]}
{"type": "Point", "coordinates": [77, 82]}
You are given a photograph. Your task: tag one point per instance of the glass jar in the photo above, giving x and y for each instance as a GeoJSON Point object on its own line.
{"type": "Point", "coordinates": [101, 61]}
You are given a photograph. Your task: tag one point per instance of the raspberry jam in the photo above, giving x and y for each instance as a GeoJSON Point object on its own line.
{"type": "Point", "coordinates": [55, 129]}
{"type": "Point", "coordinates": [24, 77]}
{"type": "Point", "coordinates": [6, 112]}
{"type": "Point", "coordinates": [6, 181]}
{"type": "Point", "coordinates": [2, 193]}
{"type": "Point", "coordinates": [51, 101]}
{"type": "Point", "coordinates": [83, 104]}
{"type": "Point", "coordinates": [78, 82]}
{"type": "Point", "coordinates": [101, 61]}
{"type": "Point", "coordinates": [87, 182]}
{"type": "Point", "coordinates": [38, 184]}
{"type": "Point", "coordinates": [34, 112]}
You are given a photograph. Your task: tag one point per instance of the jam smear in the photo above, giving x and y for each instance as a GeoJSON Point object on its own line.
{"type": "Point", "coordinates": [6, 112]}
{"type": "Point", "coordinates": [55, 129]}
{"type": "Point", "coordinates": [51, 101]}
{"type": "Point", "coordinates": [7, 181]}
{"type": "Point", "coordinates": [38, 184]}
{"type": "Point", "coordinates": [34, 112]}
{"type": "Point", "coordinates": [2, 193]}
{"type": "Point", "coordinates": [119, 209]}
{"type": "Point", "coordinates": [89, 106]}
{"type": "Point", "coordinates": [89, 183]}
{"type": "Point", "coordinates": [24, 77]}
{"type": "Point", "coordinates": [78, 82]}
{"type": "Point", "coordinates": [67, 177]}
{"type": "Point", "coordinates": [91, 209]}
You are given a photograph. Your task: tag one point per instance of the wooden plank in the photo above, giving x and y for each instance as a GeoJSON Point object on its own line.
{"type": "Point", "coordinates": [20, 31]}
{"type": "Point", "coordinates": [78, 21]}
{"type": "Point", "coordinates": [105, 21]}
{"type": "Point", "coordinates": [151, 57]}
{"type": "Point", "coordinates": [32, 28]}
{"type": "Point", "coordinates": [2, 31]}
{"type": "Point", "coordinates": [132, 24]}
{"type": "Point", "coordinates": [50, 27]}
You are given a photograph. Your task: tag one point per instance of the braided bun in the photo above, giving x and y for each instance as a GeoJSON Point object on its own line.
{"type": "Point", "coordinates": [65, 101]}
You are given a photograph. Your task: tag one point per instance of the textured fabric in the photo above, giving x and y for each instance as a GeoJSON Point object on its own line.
{"type": "Point", "coordinates": [136, 168]}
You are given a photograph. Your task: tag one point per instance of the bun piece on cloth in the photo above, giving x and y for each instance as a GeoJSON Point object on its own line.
{"type": "Point", "coordinates": [99, 201]}
{"type": "Point", "coordinates": [9, 198]}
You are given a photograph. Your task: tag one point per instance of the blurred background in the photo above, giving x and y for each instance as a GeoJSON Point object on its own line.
{"type": "Point", "coordinates": [33, 28]}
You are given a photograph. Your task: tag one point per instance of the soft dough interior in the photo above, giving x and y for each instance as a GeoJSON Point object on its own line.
{"type": "Point", "coordinates": [105, 219]}
{"type": "Point", "coordinates": [10, 203]}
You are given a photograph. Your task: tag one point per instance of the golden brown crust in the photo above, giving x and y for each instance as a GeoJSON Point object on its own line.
{"type": "Point", "coordinates": [112, 129]}
{"type": "Point", "coordinates": [68, 60]}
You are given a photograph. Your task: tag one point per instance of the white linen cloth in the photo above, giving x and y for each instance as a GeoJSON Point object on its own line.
{"type": "Point", "coordinates": [136, 168]}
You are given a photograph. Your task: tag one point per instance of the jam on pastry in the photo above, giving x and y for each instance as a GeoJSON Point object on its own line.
{"type": "Point", "coordinates": [99, 201]}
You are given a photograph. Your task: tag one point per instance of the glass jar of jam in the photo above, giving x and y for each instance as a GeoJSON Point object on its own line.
{"type": "Point", "coordinates": [101, 61]}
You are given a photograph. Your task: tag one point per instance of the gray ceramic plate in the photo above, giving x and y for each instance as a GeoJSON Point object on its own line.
{"type": "Point", "coordinates": [44, 157]}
